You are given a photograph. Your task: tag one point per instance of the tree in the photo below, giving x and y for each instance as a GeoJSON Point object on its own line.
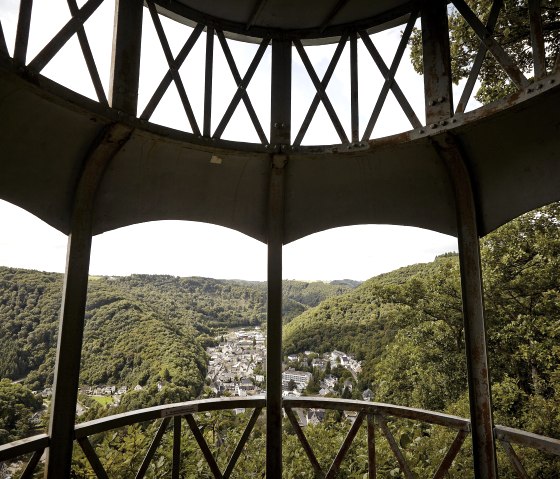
{"type": "Point", "coordinates": [512, 32]}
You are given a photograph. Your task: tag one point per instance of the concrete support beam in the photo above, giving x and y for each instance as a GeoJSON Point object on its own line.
{"type": "Point", "coordinates": [71, 326]}
{"type": "Point", "coordinates": [482, 423]}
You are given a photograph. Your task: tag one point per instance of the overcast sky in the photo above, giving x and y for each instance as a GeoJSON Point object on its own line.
{"type": "Point", "coordinates": [187, 248]}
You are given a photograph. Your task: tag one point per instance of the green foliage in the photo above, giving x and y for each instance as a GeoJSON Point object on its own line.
{"type": "Point", "coordinates": [512, 32]}
{"type": "Point", "coordinates": [17, 405]}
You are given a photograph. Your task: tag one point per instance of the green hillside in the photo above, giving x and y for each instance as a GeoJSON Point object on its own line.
{"type": "Point", "coordinates": [137, 327]}
{"type": "Point", "coordinates": [407, 328]}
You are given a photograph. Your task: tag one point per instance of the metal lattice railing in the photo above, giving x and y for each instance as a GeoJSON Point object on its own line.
{"type": "Point", "coordinates": [374, 415]}
{"type": "Point", "coordinates": [484, 28]}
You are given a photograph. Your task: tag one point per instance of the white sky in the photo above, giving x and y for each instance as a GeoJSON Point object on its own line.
{"type": "Point", "coordinates": [187, 248]}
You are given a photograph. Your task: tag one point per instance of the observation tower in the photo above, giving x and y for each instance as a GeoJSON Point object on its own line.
{"type": "Point", "coordinates": [86, 166]}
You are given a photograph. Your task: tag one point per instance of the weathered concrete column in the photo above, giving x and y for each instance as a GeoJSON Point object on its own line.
{"type": "Point", "coordinates": [279, 138]}
{"type": "Point", "coordinates": [482, 424]}
{"type": "Point", "coordinates": [71, 325]}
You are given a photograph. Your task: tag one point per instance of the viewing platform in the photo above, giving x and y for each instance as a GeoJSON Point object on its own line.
{"type": "Point", "coordinates": [90, 165]}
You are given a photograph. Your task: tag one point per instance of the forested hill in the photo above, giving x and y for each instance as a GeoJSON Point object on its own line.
{"type": "Point", "coordinates": [139, 328]}
{"type": "Point", "coordinates": [407, 328]}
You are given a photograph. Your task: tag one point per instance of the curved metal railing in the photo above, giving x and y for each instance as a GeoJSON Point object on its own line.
{"type": "Point", "coordinates": [375, 415]}
{"type": "Point", "coordinates": [440, 109]}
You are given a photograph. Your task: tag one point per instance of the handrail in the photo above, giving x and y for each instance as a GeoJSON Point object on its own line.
{"type": "Point", "coordinates": [23, 446]}
{"type": "Point", "coordinates": [366, 409]}
{"type": "Point", "coordinates": [528, 439]}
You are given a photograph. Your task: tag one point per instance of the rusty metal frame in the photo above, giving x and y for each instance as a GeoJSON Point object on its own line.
{"type": "Point", "coordinates": [242, 84]}
{"type": "Point", "coordinates": [304, 443]}
{"type": "Point", "coordinates": [324, 83]}
{"type": "Point", "coordinates": [372, 458]}
{"type": "Point", "coordinates": [173, 68]}
{"type": "Point", "coordinates": [374, 412]}
{"type": "Point", "coordinates": [393, 85]}
{"type": "Point", "coordinates": [537, 39]}
{"type": "Point", "coordinates": [242, 441]}
{"type": "Point", "coordinates": [452, 452]}
{"type": "Point", "coordinates": [22, 31]}
{"type": "Point", "coordinates": [88, 56]}
{"type": "Point", "coordinates": [514, 459]}
{"type": "Point", "coordinates": [492, 45]}
{"type": "Point", "coordinates": [335, 466]}
{"type": "Point", "coordinates": [61, 38]}
{"type": "Point", "coordinates": [389, 76]}
{"type": "Point", "coordinates": [176, 465]}
{"type": "Point", "coordinates": [479, 59]}
{"type": "Point", "coordinates": [71, 324]}
{"type": "Point", "coordinates": [394, 447]}
{"type": "Point", "coordinates": [478, 375]}
{"type": "Point", "coordinates": [321, 90]}
{"type": "Point", "coordinates": [208, 68]}
{"type": "Point", "coordinates": [212, 464]}
{"type": "Point", "coordinates": [92, 458]}
{"type": "Point", "coordinates": [174, 72]}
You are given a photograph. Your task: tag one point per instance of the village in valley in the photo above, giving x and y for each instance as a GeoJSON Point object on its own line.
{"type": "Point", "coordinates": [238, 363]}
{"type": "Point", "coordinates": [237, 367]}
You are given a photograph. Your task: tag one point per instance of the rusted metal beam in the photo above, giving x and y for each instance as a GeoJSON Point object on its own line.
{"type": "Point", "coordinates": [372, 461]}
{"type": "Point", "coordinates": [280, 131]}
{"type": "Point", "coordinates": [274, 318]}
{"type": "Point", "coordinates": [174, 73]}
{"type": "Point", "coordinates": [23, 446]}
{"type": "Point", "coordinates": [125, 62]}
{"type": "Point", "coordinates": [479, 59]}
{"type": "Point", "coordinates": [514, 460]}
{"type": "Point", "coordinates": [305, 444]}
{"type": "Point", "coordinates": [65, 33]}
{"type": "Point", "coordinates": [242, 84]}
{"type": "Point", "coordinates": [152, 449]}
{"type": "Point", "coordinates": [208, 68]}
{"type": "Point", "coordinates": [438, 92]}
{"type": "Point", "coordinates": [22, 32]}
{"type": "Point", "coordinates": [537, 39]}
{"type": "Point", "coordinates": [390, 75]}
{"type": "Point", "coordinates": [528, 439]}
{"type": "Point", "coordinates": [168, 77]}
{"type": "Point", "coordinates": [32, 464]}
{"type": "Point", "coordinates": [333, 471]}
{"type": "Point", "coordinates": [71, 325]}
{"type": "Point", "coordinates": [324, 83]}
{"type": "Point", "coordinates": [354, 97]}
{"type": "Point", "coordinates": [176, 465]}
{"type": "Point", "coordinates": [321, 92]}
{"type": "Point", "coordinates": [242, 441]}
{"type": "Point", "coordinates": [399, 95]}
{"type": "Point", "coordinates": [88, 57]}
{"type": "Point", "coordinates": [484, 451]}
{"type": "Point", "coordinates": [395, 448]}
{"type": "Point", "coordinates": [505, 61]}
{"type": "Point", "coordinates": [454, 449]}
{"type": "Point", "coordinates": [92, 458]}
{"type": "Point", "coordinates": [203, 446]}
